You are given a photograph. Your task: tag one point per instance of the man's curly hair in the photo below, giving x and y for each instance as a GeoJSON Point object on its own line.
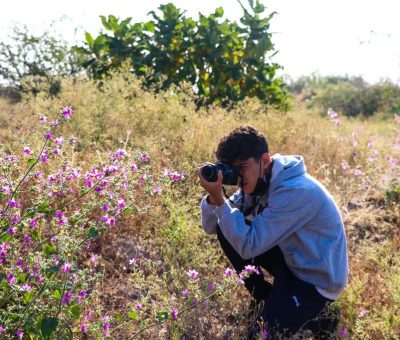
{"type": "Point", "coordinates": [242, 143]}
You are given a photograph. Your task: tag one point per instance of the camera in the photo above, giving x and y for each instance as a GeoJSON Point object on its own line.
{"type": "Point", "coordinates": [230, 173]}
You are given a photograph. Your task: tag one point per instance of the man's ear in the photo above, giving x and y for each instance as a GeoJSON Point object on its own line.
{"type": "Point", "coordinates": [266, 159]}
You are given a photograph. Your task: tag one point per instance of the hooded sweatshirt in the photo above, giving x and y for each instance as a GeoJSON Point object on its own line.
{"type": "Point", "coordinates": [301, 218]}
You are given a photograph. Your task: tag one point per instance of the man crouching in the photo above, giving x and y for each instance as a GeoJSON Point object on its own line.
{"type": "Point", "coordinates": [280, 219]}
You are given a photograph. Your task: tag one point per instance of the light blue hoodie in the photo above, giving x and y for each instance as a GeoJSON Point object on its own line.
{"type": "Point", "coordinates": [301, 218]}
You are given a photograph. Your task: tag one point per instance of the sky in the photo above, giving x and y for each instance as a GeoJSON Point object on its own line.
{"type": "Point", "coordinates": [326, 37]}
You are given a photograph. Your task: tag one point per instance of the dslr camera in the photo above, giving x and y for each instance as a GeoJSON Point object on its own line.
{"type": "Point", "coordinates": [230, 173]}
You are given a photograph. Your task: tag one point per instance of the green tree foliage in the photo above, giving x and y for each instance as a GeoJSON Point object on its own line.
{"type": "Point", "coordinates": [351, 96]}
{"type": "Point", "coordinates": [224, 60]}
{"type": "Point", "coordinates": [33, 63]}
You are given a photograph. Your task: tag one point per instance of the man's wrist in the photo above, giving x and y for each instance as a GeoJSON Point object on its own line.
{"type": "Point", "coordinates": [214, 201]}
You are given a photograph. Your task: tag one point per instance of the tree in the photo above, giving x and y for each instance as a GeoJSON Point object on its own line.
{"type": "Point", "coordinates": [33, 62]}
{"type": "Point", "coordinates": [225, 61]}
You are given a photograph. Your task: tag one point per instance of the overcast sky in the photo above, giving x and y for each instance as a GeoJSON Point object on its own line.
{"type": "Point", "coordinates": [353, 37]}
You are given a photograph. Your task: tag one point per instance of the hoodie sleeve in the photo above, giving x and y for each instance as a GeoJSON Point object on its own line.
{"type": "Point", "coordinates": [208, 219]}
{"type": "Point", "coordinates": [290, 209]}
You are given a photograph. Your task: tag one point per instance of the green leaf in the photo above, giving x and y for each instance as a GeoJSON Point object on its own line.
{"type": "Point", "coordinates": [48, 326]}
{"type": "Point", "coordinates": [259, 8]}
{"type": "Point", "coordinates": [127, 210]}
{"type": "Point", "coordinates": [57, 294]}
{"type": "Point", "coordinates": [35, 235]}
{"type": "Point", "coordinates": [28, 296]}
{"type": "Point", "coordinates": [93, 232]}
{"type": "Point", "coordinates": [75, 311]}
{"type": "Point", "coordinates": [219, 12]}
{"type": "Point", "coordinates": [44, 208]}
{"type": "Point", "coordinates": [149, 26]}
{"type": "Point", "coordinates": [162, 316]}
{"type": "Point", "coordinates": [133, 315]}
{"type": "Point", "coordinates": [31, 161]}
{"type": "Point", "coordinates": [6, 238]}
{"type": "Point", "coordinates": [105, 23]}
{"type": "Point", "coordinates": [89, 39]}
{"type": "Point", "coordinates": [49, 249]}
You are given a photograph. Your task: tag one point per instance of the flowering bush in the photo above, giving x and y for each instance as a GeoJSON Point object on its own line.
{"type": "Point", "coordinates": [377, 170]}
{"type": "Point", "coordinates": [52, 211]}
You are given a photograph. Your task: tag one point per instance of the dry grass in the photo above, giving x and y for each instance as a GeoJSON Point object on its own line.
{"type": "Point", "coordinates": [168, 240]}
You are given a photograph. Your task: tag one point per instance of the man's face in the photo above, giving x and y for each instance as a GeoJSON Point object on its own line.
{"type": "Point", "coordinates": [251, 171]}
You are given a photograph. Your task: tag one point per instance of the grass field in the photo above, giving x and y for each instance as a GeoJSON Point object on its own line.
{"type": "Point", "coordinates": [137, 286]}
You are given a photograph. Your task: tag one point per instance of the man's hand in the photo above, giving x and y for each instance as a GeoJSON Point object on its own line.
{"type": "Point", "coordinates": [214, 189]}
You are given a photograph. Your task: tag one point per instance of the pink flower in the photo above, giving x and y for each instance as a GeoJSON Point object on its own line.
{"type": "Point", "coordinates": [138, 305]}
{"type": "Point", "coordinates": [93, 259]}
{"type": "Point", "coordinates": [166, 172]}
{"type": "Point", "coordinates": [26, 288]}
{"type": "Point", "coordinates": [14, 203]}
{"type": "Point", "coordinates": [141, 181]}
{"type": "Point", "coordinates": [332, 114]}
{"type": "Point", "coordinates": [10, 278]}
{"type": "Point", "coordinates": [11, 231]}
{"type": "Point", "coordinates": [59, 140]}
{"type": "Point", "coordinates": [27, 150]}
{"type": "Point", "coordinates": [337, 122]}
{"type": "Point", "coordinates": [362, 313]}
{"type": "Point", "coordinates": [66, 112]}
{"type": "Point", "coordinates": [106, 326]}
{"type": "Point", "coordinates": [6, 189]}
{"type": "Point", "coordinates": [2, 329]}
{"type": "Point", "coordinates": [157, 190]}
{"type": "Point", "coordinates": [83, 328]}
{"type": "Point", "coordinates": [66, 267]}
{"type": "Point", "coordinates": [19, 333]}
{"type": "Point", "coordinates": [240, 280]}
{"type": "Point", "coordinates": [48, 135]}
{"type": "Point", "coordinates": [174, 313]}
{"type": "Point", "coordinates": [54, 122]}
{"type": "Point", "coordinates": [82, 294]}
{"type": "Point", "coordinates": [228, 272]}
{"type": "Point", "coordinates": [120, 153]}
{"type": "Point", "coordinates": [343, 332]}
{"type": "Point", "coordinates": [193, 274]}
{"type": "Point", "coordinates": [134, 167]}
{"type": "Point", "coordinates": [132, 261]}
{"type": "Point", "coordinates": [42, 119]}
{"type": "Point", "coordinates": [72, 140]}
{"type": "Point", "coordinates": [120, 203]}
{"type": "Point", "coordinates": [357, 172]}
{"type": "Point", "coordinates": [185, 292]}
{"type": "Point", "coordinates": [345, 167]}
{"type": "Point", "coordinates": [66, 298]}
{"type": "Point", "coordinates": [58, 214]}
{"type": "Point", "coordinates": [144, 158]}
{"type": "Point", "coordinates": [249, 269]}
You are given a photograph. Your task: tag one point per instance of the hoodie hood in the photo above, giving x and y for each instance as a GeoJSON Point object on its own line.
{"type": "Point", "coordinates": [286, 167]}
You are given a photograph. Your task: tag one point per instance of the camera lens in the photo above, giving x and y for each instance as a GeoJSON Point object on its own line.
{"type": "Point", "coordinates": [209, 172]}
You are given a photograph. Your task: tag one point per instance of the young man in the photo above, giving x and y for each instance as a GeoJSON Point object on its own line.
{"type": "Point", "coordinates": [285, 221]}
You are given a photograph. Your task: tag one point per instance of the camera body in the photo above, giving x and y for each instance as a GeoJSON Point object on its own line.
{"type": "Point", "coordinates": [230, 173]}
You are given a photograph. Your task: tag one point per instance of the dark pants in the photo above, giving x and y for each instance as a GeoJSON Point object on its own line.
{"type": "Point", "coordinates": [290, 304]}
